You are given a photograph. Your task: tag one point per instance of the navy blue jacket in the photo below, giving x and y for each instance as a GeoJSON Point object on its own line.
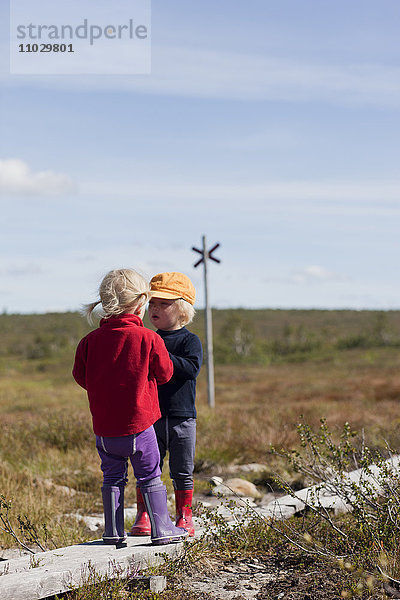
{"type": "Point", "coordinates": [177, 397]}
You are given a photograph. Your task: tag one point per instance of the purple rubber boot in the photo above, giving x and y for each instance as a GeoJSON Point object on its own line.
{"type": "Point", "coordinates": [113, 505]}
{"type": "Point", "coordinates": [163, 530]}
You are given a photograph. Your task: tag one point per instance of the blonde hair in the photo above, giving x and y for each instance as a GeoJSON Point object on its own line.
{"type": "Point", "coordinates": [187, 311]}
{"type": "Point", "coordinates": [121, 291]}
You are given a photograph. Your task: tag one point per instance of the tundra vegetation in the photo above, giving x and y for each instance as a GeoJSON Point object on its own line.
{"type": "Point", "coordinates": [307, 393]}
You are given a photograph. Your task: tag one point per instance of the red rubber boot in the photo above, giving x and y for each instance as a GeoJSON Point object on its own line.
{"type": "Point", "coordinates": [183, 502]}
{"type": "Point", "coordinates": [141, 525]}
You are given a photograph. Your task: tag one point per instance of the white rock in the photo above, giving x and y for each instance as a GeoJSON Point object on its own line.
{"type": "Point", "coordinates": [49, 485]}
{"type": "Point", "coordinates": [252, 468]}
{"type": "Point", "coordinates": [216, 480]}
{"type": "Point", "coordinates": [93, 522]}
{"type": "Point", "coordinates": [237, 486]}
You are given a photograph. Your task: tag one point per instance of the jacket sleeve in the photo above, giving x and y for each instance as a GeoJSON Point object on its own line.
{"type": "Point", "coordinates": [161, 365]}
{"type": "Point", "coordinates": [79, 369]}
{"type": "Point", "coordinates": [188, 365]}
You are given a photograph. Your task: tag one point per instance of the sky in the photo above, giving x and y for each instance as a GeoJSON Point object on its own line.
{"type": "Point", "coordinates": [269, 126]}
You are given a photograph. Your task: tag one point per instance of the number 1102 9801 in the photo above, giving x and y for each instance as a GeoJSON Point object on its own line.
{"type": "Point", "coordinates": [45, 48]}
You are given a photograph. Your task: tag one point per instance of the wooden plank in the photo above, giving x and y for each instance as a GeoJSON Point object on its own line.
{"type": "Point", "coordinates": [323, 496]}
{"type": "Point", "coordinates": [59, 570]}
{"type": "Point", "coordinates": [288, 505]}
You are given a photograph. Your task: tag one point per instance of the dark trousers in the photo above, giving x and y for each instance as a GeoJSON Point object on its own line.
{"type": "Point", "coordinates": [178, 436]}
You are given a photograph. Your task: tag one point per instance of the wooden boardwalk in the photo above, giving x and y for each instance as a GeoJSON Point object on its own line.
{"type": "Point", "coordinates": [324, 496]}
{"type": "Point", "coordinates": [56, 571]}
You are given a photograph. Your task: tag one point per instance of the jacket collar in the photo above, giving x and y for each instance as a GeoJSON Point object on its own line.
{"type": "Point", "coordinates": [122, 320]}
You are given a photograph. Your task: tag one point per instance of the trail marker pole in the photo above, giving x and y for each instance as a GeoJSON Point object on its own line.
{"type": "Point", "coordinates": [205, 255]}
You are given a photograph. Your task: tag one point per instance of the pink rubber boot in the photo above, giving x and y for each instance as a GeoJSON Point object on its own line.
{"type": "Point", "coordinates": [141, 525]}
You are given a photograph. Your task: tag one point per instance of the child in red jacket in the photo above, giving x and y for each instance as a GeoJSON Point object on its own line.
{"type": "Point", "coordinates": [120, 364]}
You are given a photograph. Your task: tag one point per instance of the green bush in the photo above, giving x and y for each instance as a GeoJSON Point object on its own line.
{"type": "Point", "coordinates": [365, 537]}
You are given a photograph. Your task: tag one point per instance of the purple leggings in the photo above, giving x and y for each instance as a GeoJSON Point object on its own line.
{"type": "Point", "coordinates": [141, 449]}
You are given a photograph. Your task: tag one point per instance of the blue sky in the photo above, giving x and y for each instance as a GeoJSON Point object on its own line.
{"type": "Point", "coordinates": [271, 127]}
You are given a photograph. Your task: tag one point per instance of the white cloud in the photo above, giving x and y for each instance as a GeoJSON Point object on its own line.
{"type": "Point", "coordinates": [310, 275]}
{"type": "Point", "coordinates": [195, 72]}
{"type": "Point", "coordinates": [315, 274]}
{"type": "Point", "coordinates": [262, 140]}
{"type": "Point", "coordinates": [63, 281]}
{"type": "Point", "coordinates": [16, 177]}
{"type": "Point", "coordinates": [367, 196]}
{"type": "Point", "coordinates": [21, 268]}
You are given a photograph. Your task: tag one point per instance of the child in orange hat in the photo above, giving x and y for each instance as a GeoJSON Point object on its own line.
{"type": "Point", "coordinates": [170, 310]}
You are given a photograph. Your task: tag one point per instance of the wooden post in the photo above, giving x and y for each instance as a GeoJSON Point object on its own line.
{"type": "Point", "coordinates": [205, 255]}
{"type": "Point", "coordinates": [209, 335]}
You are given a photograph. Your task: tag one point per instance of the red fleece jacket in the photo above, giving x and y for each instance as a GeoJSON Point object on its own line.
{"type": "Point", "coordinates": [119, 365]}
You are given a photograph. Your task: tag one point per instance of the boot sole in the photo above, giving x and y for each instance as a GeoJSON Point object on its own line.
{"type": "Point", "coordinates": [164, 541]}
{"type": "Point", "coordinates": [114, 541]}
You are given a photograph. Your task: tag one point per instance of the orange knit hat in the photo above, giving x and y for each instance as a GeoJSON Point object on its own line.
{"type": "Point", "coordinates": [172, 286]}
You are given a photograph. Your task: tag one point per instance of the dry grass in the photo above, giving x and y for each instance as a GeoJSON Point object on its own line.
{"type": "Point", "coordinates": [49, 466]}
{"type": "Point", "coordinates": [257, 407]}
